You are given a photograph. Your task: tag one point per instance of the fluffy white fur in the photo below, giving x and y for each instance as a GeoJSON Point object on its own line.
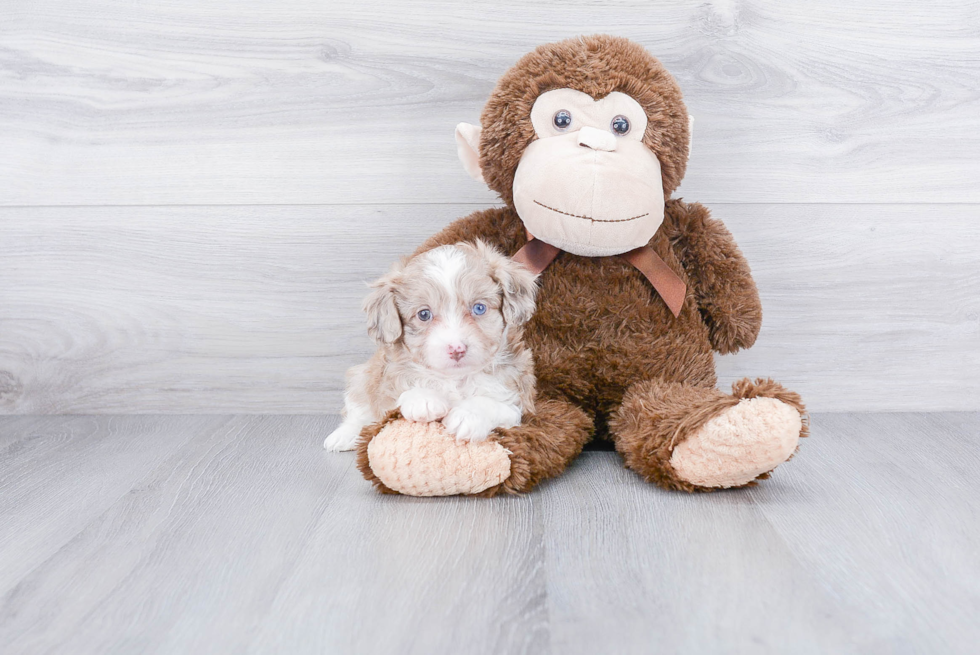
{"type": "Point", "coordinates": [448, 324]}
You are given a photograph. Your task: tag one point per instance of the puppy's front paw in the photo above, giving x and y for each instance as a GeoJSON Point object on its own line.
{"type": "Point", "coordinates": [422, 405]}
{"type": "Point", "coordinates": [343, 438]}
{"type": "Point", "coordinates": [467, 425]}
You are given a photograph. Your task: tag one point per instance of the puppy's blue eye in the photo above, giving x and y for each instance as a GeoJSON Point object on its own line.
{"type": "Point", "coordinates": [563, 118]}
{"type": "Point", "coordinates": [620, 125]}
{"type": "Point", "coordinates": [424, 314]}
{"type": "Point", "coordinates": [479, 309]}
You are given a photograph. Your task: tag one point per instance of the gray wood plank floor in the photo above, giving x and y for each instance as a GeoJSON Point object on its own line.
{"type": "Point", "coordinates": [179, 534]}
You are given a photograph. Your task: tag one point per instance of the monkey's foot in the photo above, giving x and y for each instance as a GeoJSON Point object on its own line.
{"type": "Point", "coordinates": [423, 459]}
{"type": "Point", "coordinates": [740, 444]}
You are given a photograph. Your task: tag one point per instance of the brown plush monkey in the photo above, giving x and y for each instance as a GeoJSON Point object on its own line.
{"type": "Point", "coordinates": [585, 140]}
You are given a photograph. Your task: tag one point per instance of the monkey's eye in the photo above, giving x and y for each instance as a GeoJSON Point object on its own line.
{"type": "Point", "coordinates": [563, 118]}
{"type": "Point", "coordinates": [620, 125]}
{"type": "Point", "coordinates": [424, 315]}
{"type": "Point", "coordinates": [479, 309]}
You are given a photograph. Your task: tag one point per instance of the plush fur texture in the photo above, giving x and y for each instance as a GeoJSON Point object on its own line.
{"type": "Point", "coordinates": [582, 188]}
{"type": "Point", "coordinates": [425, 460]}
{"type": "Point", "coordinates": [727, 451]}
{"type": "Point", "coordinates": [656, 417]}
{"type": "Point", "coordinates": [596, 65]}
{"type": "Point", "coordinates": [599, 326]}
{"type": "Point", "coordinates": [540, 448]}
{"type": "Point", "coordinates": [610, 358]}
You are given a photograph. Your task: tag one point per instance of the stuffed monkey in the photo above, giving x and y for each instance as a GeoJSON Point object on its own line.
{"type": "Point", "coordinates": [585, 140]}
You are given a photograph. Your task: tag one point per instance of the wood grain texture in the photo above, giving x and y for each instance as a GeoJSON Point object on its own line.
{"type": "Point", "coordinates": [864, 542]}
{"type": "Point", "coordinates": [239, 534]}
{"type": "Point", "coordinates": [893, 525]}
{"type": "Point", "coordinates": [271, 102]}
{"type": "Point", "coordinates": [205, 309]}
{"type": "Point", "coordinates": [256, 309]}
{"type": "Point", "coordinates": [250, 537]}
{"type": "Point", "coordinates": [50, 461]}
{"type": "Point", "coordinates": [681, 573]}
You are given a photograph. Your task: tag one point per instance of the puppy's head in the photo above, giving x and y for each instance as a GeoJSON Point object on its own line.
{"type": "Point", "coordinates": [451, 306]}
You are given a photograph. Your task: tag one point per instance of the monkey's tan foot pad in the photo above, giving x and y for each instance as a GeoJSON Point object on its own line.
{"type": "Point", "coordinates": [740, 444]}
{"type": "Point", "coordinates": [422, 459]}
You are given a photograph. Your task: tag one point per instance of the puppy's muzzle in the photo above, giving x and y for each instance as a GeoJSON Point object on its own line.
{"type": "Point", "coordinates": [457, 352]}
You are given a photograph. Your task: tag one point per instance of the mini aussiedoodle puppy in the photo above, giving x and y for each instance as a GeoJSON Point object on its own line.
{"type": "Point", "coordinates": [449, 326]}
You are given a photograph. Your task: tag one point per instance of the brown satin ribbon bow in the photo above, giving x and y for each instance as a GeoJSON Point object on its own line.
{"type": "Point", "coordinates": [536, 255]}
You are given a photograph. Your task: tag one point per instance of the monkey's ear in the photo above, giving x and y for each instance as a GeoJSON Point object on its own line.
{"type": "Point", "coordinates": [384, 323]}
{"type": "Point", "coordinates": [468, 149]}
{"type": "Point", "coordinates": [690, 135]}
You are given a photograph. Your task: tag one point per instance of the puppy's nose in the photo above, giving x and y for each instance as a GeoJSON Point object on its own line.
{"type": "Point", "coordinates": [596, 139]}
{"type": "Point", "coordinates": [456, 351]}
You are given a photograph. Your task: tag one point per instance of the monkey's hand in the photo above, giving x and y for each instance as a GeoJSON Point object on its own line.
{"type": "Point", "coordinates": [726, 293]}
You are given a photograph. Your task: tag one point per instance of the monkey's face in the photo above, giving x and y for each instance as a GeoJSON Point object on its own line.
{"type": "Point", "coordinates": [588, 184]}
{"type": "Point", "coordinates": [585, 139]}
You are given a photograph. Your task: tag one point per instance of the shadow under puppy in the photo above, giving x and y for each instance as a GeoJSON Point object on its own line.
{"type": "Point", "coordinates": [449, 325]}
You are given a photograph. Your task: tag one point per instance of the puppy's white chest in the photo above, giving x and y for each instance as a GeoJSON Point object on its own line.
{"type": "Point", "coordinates": [481, 384]}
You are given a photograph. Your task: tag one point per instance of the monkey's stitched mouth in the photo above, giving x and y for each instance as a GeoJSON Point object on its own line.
{"type": "Point", "coordinates": [589, 218]}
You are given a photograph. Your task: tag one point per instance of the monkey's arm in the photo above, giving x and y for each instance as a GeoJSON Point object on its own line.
{"type": "Point", "coordinates": [726, 293]}
{"type": "Point", "coordinates": [498, 227]}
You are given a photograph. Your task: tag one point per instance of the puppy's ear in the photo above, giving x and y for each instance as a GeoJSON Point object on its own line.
{"type": "Point", "coordinates": [383, 322]}
{"type": "Point", "coordinates": [518, 285]}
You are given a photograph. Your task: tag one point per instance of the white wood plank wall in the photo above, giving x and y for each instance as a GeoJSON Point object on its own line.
{"type": "Point", "coordinates": [193, 194]}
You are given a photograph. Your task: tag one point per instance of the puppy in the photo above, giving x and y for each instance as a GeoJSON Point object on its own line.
{"type": "Point", "coordinates": [448, 324]}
